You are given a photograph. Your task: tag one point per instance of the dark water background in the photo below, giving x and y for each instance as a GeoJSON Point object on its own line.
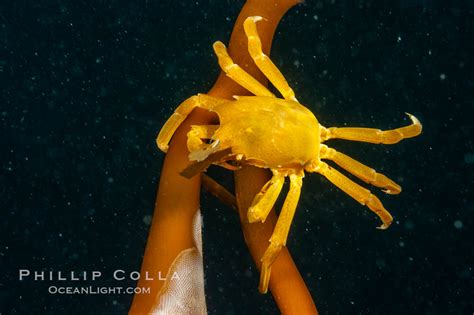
{"type": "Point", "coordinates": [86, 85]}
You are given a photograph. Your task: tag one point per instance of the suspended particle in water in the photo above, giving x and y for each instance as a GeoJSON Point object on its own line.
{"type": "Point", "coordinates": [458, 224]}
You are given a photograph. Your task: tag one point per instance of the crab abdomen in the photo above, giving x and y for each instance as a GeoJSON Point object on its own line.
{"type": "Point", "coordinates": [270, 132]}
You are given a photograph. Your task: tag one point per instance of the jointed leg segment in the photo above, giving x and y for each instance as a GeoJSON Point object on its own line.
{"type": "Point", "coordinates": [263, 62]}
{"type": "Point", "coordinates": [236, 73]}
{"type": "Point", "coordinates": [373, 135]}
{"type": "Point", "coordinates": [280, 234]}
{"type": "Point", "coordinates": [180, 114]}
{"type": "Point", "coordinates": [266, 198]}
{"type": "Point", "coordinates": [360, 170]}
{"type": "Point", "coordinates": [359, 193]}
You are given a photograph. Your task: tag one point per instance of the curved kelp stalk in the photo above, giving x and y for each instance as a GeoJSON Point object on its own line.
{"type": "Point", "coordinates": [172, 243]}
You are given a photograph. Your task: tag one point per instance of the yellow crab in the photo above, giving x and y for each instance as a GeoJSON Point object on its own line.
{"type": "Point", "coordinates": [282, 135]}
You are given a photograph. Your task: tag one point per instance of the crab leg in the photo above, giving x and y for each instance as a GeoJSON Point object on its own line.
{"type": "Point", "coordinates": [263, 62]}
{"type": "Point", "coordinates": [236, 73]}
{"type": "Point", "coordinates": [359, 193]}
{"type": "Point", "coordinates": [373, 135]}
{"type": "Point", "coordinates": [280, 234]}
{"type": "Point", "coordinates": [360, 170]}
{"type": "Point", "coordinates": [180, 114]}
{"type": "Point", "coordinates": [266, 198]}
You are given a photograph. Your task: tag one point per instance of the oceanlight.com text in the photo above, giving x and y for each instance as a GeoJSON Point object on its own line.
{"type": "Point", "coordinates": [94, 290]}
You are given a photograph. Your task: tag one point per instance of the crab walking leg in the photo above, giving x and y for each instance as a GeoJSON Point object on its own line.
{"type": "Point", "coordinates": [236, 73]}
{"type": "Point", "coordinates": [360, 170]}
{"type": "Point", "coordinates": [362, 195]}
{"type": "Point", "coordinates": [280, 234]}
{"type": "Point", "coordinates": [373, 135]}
{"type": "Point", "coordinates": [263, 62]}
{"type": "Point", "coordinates": [180, 114]}
{"type": "Point", "coordinates": [266, 198]}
